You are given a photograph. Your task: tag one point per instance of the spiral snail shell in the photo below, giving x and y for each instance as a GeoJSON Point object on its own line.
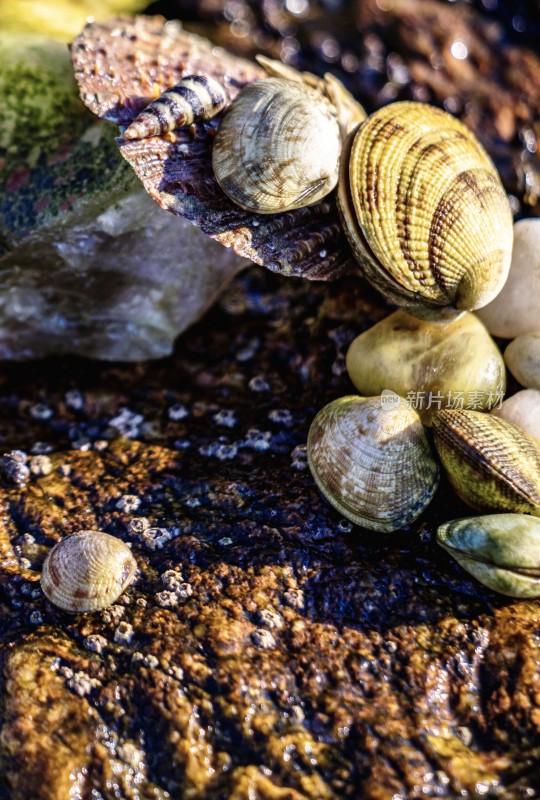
{"type": "Point", "coordinates": [87, 571]}
{"type": "Point", "coordinates": [194, 98]}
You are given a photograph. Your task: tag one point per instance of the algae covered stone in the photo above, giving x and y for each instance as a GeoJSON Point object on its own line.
{"type": "Point", "coordinates": [435, 365]}
{"type": "Point", "coordinates": [88, 263]}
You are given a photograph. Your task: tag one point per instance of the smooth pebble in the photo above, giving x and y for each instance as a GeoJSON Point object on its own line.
{"type": "Point", "coordinates": [522, 409]}
{"type": "Point", "coordinates": [522, 357]}
{"type": "Point", "coordinates": [516, 309]}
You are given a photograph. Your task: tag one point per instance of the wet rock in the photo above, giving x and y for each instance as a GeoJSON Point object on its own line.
{"type": "Point", "coordinates": [65, 233]}
{"type": "Point", "coordinates": [292, 662]}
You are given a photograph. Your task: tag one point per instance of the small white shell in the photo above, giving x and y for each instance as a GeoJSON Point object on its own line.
{"type": "Point", "coordinates": [278, 147]}
{"type": "Point", "coordinates": [87, 571]}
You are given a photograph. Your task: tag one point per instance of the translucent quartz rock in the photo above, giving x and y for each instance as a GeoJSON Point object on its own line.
{"type": "Point", "coordinates": [89, 264]}
{"type": "Point", "coordinates": [120, 287]}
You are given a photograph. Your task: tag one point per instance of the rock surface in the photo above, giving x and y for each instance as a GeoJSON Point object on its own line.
{"type": "Point", "coordinates": [88, 264]}
{"type": "Point", "coordinates": [268, 649]}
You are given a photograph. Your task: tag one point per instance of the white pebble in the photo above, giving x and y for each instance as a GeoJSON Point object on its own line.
{"type": "Point", "coordinates": [522, 409]}
{"type": "Point", "coordinates": [522, 357]}
{"type": "Point", "coordinates": [515, 309]}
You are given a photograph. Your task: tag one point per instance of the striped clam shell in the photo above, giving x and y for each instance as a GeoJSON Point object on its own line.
{"type": "Point", "coordinates": [425, 211]}
{"type": "Point", "coordinates": [87, 571]}
{"type": "Point", "coordinates": [277, 147]}
{"type": "Point", "coordinates": [194, 98]}
{"type": "Point", "coordinates": [492, 464]}
{"type": "Point", "coordinates": [372, 462]}
{"type": "Point", "coordinates": [502, 551]}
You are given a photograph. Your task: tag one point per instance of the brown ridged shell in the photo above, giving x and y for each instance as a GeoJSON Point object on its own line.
{"type": "Point", "coordinates": [491, 463]}
{"type": "Point", "coordinates": [87, 571]}
{"type": "Point", "coordinates": [147, 55]}
{"type": "Point", "coordinates": [372, 461]}
{"type": "Point", "coordinates": [425, 211]}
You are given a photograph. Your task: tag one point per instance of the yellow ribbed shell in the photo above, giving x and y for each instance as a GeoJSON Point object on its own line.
{"type": "Point", "coordinates": [424, 210]}
{"type": "Point", "coordinates": [492, 464]}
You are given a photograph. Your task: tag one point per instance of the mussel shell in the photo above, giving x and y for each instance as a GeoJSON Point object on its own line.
{"type": "Point", "coordinates": [372, 461]}
{"type": "Point", "coordinates": [501, 550]}
{"type": "Point", "coordinates": [277, 147]}
{"type": "Point", "coordinates": [87, 571]}
{"type": "Point", "coordinates": [424, 210]}
{"type": "Point", "coordinates": [491, 463]}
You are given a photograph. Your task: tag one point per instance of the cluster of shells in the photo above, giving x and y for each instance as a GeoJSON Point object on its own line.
{"type": "Point", "coordinates": [430, 225]}
{"type": "Point", "coordinates": [429, 222]}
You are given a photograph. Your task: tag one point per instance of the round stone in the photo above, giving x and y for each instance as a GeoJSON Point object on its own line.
{"type": "Point", "coordinates": [522, 358]}
{"type": "Point", "coordinates": [433, 365]}
{"type": "Point", "coordinates": [515, 310]}
{"type": "Point", "coordinates": [522, 409]}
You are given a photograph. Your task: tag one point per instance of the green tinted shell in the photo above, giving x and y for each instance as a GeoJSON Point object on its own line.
{"type": "Point", "coordinates": [502, 551]}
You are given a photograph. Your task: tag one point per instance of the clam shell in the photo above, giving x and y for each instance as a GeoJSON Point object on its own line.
{"type": "Point", "coordinates": [372, 461]}
{"type": "Point", "coordinates": [502, 551]}
{"type": "Point", "coordinates": [277, 147]}
{"type": "Point", "coordinates": [491, 463]}
{"type": "Point", "coordinates": [425, 211]}
{"type": "Point", "coordinates": [147, 55]}
{"type": "Point", "coordinates": [87, 571]}
{"type": "Point", "coordinates": [433, 364]}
